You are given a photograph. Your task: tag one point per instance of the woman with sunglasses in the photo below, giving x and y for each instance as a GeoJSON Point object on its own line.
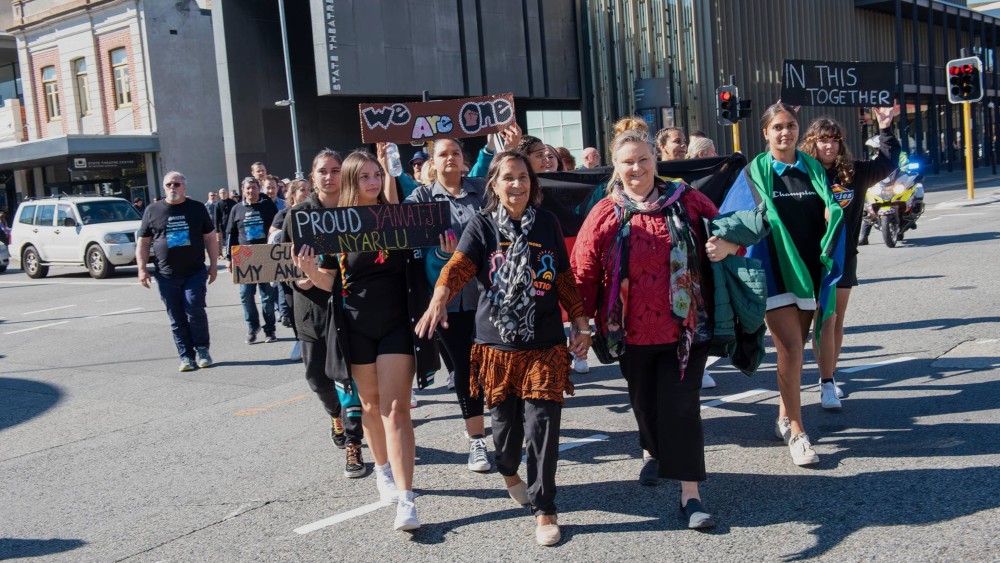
{"type": "Point", "coordinates": [849, 179]}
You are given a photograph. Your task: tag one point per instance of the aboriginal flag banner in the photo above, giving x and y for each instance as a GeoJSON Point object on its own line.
{"type": "Point", "coordinates": [571, 194]}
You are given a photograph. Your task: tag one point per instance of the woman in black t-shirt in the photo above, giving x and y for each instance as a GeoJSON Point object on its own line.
{"type": "Point", "coordinates": [370, 339]}
{"type": "Point", "coordinates": [849, 179]}
{"type": "Point", "coordinates": [520, 358]}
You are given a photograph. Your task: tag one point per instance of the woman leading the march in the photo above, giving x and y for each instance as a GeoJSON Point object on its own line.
{"type": "Point", "coordinates": [517, 253]}
{"type": "Point", "coordinates": [370, 339]}
{"type": "Point", "coordinates": [802, 257]}
{"type": "Point", "coordinates": [849, 179]}
{"type": "Point", "coordinates": [465, 199]}
{"type": "Point", "coordinates": [638, 261]}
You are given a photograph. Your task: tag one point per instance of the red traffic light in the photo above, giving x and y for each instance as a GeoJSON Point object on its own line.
{"type": "Point", "coordinates": [725, 96]}
{"type": "Point", "coordinates": [967, 68]}
{"type": "Point", "coordinates": [954, 70]}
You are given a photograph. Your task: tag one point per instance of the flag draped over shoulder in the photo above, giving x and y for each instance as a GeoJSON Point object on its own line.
{"type": "Point", "coordinates": [571, 194]}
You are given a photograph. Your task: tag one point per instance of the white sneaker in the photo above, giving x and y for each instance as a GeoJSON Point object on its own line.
{"type": "Point", "coordinates": [580, 365]}
{"type": "Point", "coordinates": [413, 398]}
{"type": "Point", "coordinates": [451, 380]}
{"type": "Point", "coordinates": [802, 451]}
{"type": "Point", "coordinates": [783, 429]}
{"type": "Point", "coordinates": [386, 485]}
{"type": "Point", "coordinates": [296, 354]}
{"type": "Point", "coordinates": [840, 392]}
{"type": "Point", "coordinates": [406, 512]}
{"type": "Point", "coordinates": [828, 396]}
{"type": "Point", "coordinates": [478, 460]}
{"type": "Point", "coordinates": [706, 380]}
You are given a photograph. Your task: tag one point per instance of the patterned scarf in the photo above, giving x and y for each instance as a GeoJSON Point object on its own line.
{"type": "Point", "coordinates": [686, 303]}
{"type": "Point", "coordinates": [512, 304]}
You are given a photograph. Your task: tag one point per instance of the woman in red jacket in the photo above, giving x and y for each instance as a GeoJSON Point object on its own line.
{"type": "Point", "coordinates": [636, 262]}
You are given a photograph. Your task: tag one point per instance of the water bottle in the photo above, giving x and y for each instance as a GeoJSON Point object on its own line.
{"type": "Point", "coordinates": [392, 155]}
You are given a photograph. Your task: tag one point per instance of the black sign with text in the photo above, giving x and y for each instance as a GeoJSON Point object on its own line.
{"type": "Point", "coordinates": [370, 228]}
{"type": "Point", "coordinates": [844, 84]}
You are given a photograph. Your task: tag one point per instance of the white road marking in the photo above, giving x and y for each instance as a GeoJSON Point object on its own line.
{"type": "Point", "coordinates": [955, 215]}
{"type": "Point", "coordinates": [103, 300]}
{"type": "Point", "coordinates": [336, 519]}
{"type": "Point", "coordinates": [25, 282]}
{"type": "Point", "coordinates": [877, 364]}
{"type": "Point", "coordinates": [47, 310]}
{"type": "Point", "coordinates": [990, 341]}
{"type": "Point", "coordinates": [576, 444]}
{"type": "Point", "coordinates": [117, 312]}
{"type": "Point", "coordinates": [36, 327]}
{"type": "Point", "coordinates": [731, 398]}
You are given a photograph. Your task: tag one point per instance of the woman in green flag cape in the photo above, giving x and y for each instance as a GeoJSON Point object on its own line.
{"type": "Point", "coordinates": [803, 257]}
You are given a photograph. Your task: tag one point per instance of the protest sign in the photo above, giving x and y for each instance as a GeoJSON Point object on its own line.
{"type": "Point", "coordinates": [370, 228]}
{"type": "Point", "coordinates": [845, 84]}
{"type": "Point", "coordinates": [417, 122]}
{"type": "Point", "coordinates": [264, 263]}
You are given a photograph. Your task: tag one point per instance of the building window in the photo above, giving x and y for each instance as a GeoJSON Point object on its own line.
{"type": "Point", "coordinates": [119, 69]}
{"type": "Point", "coordinates": [82, 92]}
{"type": "Point", "coordinates": [51, 86]}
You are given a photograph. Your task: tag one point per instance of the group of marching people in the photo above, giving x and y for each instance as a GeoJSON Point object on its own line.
{"type": "Point", "coordinates": [491, 296]}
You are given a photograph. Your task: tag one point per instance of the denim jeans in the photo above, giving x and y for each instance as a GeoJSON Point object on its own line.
{"type": "Point", "coordinates": [268, 299]}
{"type": "Point", "coordinates": [185, 301]}
{"type": "Point", "coordinates": [282, 300]}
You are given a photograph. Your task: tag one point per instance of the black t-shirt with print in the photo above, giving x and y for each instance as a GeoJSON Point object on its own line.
{"type": "Point", "coordinates": [249, 222]}
{"type": "Point", "coordinates": [178, 233]}
{"type": "Point", "coordinates": [803, 213]}
{"type": "Point", "coordinates": [483, 244]}
{"type": "Point", "coordinates": [376, 286]}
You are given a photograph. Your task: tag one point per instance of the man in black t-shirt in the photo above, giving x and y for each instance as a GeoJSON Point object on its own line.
{"type": "Point", "coordinates": [180, 231]}
{"type": "Point", "coordinates": [222, 210]}
{"type": "Point", "coordinates": [249, 222]}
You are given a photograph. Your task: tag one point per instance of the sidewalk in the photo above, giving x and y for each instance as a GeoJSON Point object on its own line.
{"type": "Point", "coordinates": [956, 178]}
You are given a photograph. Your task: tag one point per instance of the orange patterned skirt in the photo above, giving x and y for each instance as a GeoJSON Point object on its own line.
{"type": "Point", "coordinates": [527, 374]}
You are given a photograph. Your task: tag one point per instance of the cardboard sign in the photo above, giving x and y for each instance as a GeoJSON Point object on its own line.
{"type": "Point", "coordinates": [844, 84]}
{"type": "Point", "coordinates": [264, 263]}
{"type": "Point", "coordinates": [417, 122]}
{"type": "Point", "coordinates": [370, 228]}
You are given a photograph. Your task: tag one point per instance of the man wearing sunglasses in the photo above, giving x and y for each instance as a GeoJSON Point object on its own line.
{"type": "Point", "coordinates": [180, 231]}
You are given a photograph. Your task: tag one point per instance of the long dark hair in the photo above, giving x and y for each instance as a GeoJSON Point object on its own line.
{"type": "Point", "coordinates": [828, 127]}
{"type": "Point", "coordinates": [492, 199]}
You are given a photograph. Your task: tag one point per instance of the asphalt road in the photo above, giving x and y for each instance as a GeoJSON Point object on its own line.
{"type": "Point", "coordinates": [107, 453]}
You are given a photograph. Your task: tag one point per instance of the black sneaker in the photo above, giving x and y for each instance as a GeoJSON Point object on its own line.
{"type": "Point", "coordinates": [286, 321]}
{"type": "Point", "coordinates": [355, 466]}
{"type": "Point", "coordinates": [270, 337]}
{"type": "Point", "coordinates": [696, 516]}
{"type": "Point", "coordinates": [337, 432]}
{"type": "Point", "coordinates": [649, 475]}
{"type": "Point", "coordinates": [252, 335]}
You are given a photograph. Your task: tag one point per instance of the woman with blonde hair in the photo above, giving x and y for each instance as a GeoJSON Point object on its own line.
{"type": "Point", "coordinates": [372, 349]}
{"type": "Point", "coordinates": [701, 147]}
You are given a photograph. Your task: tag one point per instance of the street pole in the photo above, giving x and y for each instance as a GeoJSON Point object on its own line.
{"type": "Point", "coordinates": [291, 95]}
{"type": "Point", "coordinates": [736, 136]}
{"type": "Point", "coordinates": [967, 134]}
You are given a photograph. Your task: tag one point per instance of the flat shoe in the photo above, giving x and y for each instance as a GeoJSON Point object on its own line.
{"type": "Point", "coordinates": [519, 493]}
{"type": "Point", "coordinates": [696, 516]}
{"type": "Point", "coordinates": [649, 475]}
{"type": "Point", "coordinates": [548, 534]}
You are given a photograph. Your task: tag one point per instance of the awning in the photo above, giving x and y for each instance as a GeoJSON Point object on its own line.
{"type": "Point", "coordinates": [47, 151]}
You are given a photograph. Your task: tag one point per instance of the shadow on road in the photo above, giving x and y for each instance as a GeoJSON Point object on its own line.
{"type": "Point", "coordinates": [897, 278]}
{"type": "Point", "coordinates": [939, 324]}
{"type": "Point", "coordinates": [28, 399]}
{"type": "Point", "coordinates": [21, 547]}
{"type": "Point", "coordinates": [951, 239]}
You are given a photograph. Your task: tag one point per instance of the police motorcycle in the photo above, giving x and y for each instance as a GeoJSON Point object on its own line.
{"type": "Point", "coordinates": [894, 204]}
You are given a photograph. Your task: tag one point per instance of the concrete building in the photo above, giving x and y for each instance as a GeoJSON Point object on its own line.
{"type": "Point", "coordinates": [112, 94]}
{"type": "Point", "coordinates": [388, 50]}
{"type": "Point", "coordinates": [690, 47]}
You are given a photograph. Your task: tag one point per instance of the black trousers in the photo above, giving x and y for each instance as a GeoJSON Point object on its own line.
{"type": "Point", "coordinates": [534, 423]}
{"type": "Point", "coordinates": [457, 342]}
{"type": "Point", "coordinates": [668, 409]}
{"type": "Point", "coordinates": [314, 358]}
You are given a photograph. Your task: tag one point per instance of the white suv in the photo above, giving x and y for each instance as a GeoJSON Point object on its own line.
{"type": "Point", "coordinates": [95, 232]}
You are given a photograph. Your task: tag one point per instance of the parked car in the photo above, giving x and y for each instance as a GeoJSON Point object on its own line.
{"type": "Point", "coordinates": [4, 258]}
{"type": "Point", "coordinates": [95, 232]}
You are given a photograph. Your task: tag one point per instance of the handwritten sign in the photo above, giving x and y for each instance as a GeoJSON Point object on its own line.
{"type": "Point", "coordinates": [264, 263]}
{"type": "Point", "coordinates": [825, 83]}
{"type": "Point", "coordinates": [406, 122]}
{"type": "Point", "coordinates": [370, 228]}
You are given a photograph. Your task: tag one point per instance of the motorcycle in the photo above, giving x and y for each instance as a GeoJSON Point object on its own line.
{"type": "Point", "coordinates": [894, 204]}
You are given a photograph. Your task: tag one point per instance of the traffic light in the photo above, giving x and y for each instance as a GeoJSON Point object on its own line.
{"type": "Point", "coordinates": [965, 80]}
{"type": "Point", "coordinates": [727, 105]}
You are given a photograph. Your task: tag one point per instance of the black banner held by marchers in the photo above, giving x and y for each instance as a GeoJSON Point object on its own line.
{"type": "Point", "coordinates": [844, 84]}
{"type": "Point", "coordinates": [370, 228]}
